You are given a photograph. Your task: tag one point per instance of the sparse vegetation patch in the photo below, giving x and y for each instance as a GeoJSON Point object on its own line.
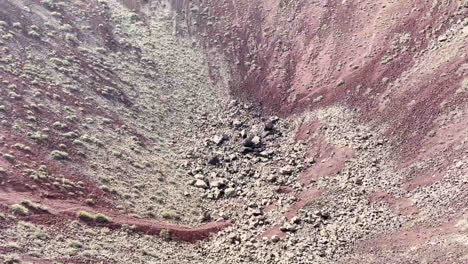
{"type": "Point", "coordinates": [19, 209]}
{"type": "Point", "coordinates": [59, 155]}
{"type": "Point", "coordinates": [100, 218]}
{"type": "Point", "coordinates": [89, 217]}
{"type": "Point", "coordinates": [85, 216]}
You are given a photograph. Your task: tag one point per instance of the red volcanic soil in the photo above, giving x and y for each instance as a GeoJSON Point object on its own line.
{"type": "Point", "coordinates": [40, 117]}
{"type": "Point", "coordinates": [63, 210]}
{"type": "Point", "coordinates": [370, 56]}
{"type": "Point", "coordinates": [399, 67]}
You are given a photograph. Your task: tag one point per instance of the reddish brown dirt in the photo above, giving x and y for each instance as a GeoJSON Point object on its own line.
{"type": "Point", "coordinates": [381, 59]}
{"type": "Point", "coordinates": [329, 159]}
{"type": "Point", "coordinates": [375, 57]}
{"type": "Point", "coordinates": [400, 205]}
{"type": "Point", "coordinates": [410, 237]}
{"type": "Point", "coordinates": [65, 210]}
{"type": "Point", "coordinates": [63, 203]}
{"type": "Point", "coordinates": [443, 145]}
{"type": "Point", "coordinates": [291, 53]}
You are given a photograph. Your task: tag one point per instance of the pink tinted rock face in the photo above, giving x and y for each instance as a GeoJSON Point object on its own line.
{"type": "Point", "coordinates": [372, 56]}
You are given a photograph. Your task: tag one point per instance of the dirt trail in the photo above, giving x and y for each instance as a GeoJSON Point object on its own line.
{"type": "Point", "coordinates": [59, 211]}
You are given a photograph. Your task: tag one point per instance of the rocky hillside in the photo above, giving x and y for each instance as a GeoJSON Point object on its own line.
{"type": "Point", "coordinates": [203, 131]}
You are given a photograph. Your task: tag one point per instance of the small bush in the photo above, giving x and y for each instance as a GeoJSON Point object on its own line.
{"type": "Point", "coordinates": [16, 25]}
{"type": "Point", "coordinates": [85, 216]}
{"type": "Point", "coordinates": [100, 218]}
{"type": "Point", "coordinates": [89, 217]}
{"type": "Point", "coordinates": [59, 155]}
{"type": "Point", "coordinates": [9, 157]}
{"type": "Point", "coordinates": [76, 244]}
{"type": "Point", "coordinates": [56, 14]}
{"type": "Point", "coordinates": [34, 33]}
{"type": "Point", "coordinates": [12, 259]}
{"type": "Point", "coordinates": [38, 136]}
{"type": "Point", "coordinates": [35, 206]}
{"type": "Point", "coordinates": [39, 234]}
{"type": "Point", "coordinates": [59, 125]}
{"type": "Point", "coordinates": [22, 147]}
{"type": "Point", "coordinates": [70, 135]}
{"type": "Point", "coordinates": [19, 209]}
{"type": "Point", "coordinates": [170, 215]}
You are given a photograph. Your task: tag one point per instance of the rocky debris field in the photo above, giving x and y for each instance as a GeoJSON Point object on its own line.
{"type": "Point", "coordinates": [192, 132]}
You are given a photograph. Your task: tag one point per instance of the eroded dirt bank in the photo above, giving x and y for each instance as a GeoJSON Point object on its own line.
{"type": "Point", "coordinates": [129, 126]}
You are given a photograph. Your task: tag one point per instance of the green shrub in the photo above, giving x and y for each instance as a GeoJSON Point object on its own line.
{"type": "Point", "coordinates": [85, 216]}
{"type": "Point", "coordinates": [12, 259]}
{"type": "Point", "coordinates": [9, 157]}
{"type": "Point", "coordinates": [89, 217]}
{"type": "Point", "coordinates": [38, 136]}
{"type": "Point", "coordinates": [35, 206]}
{"type": "Point", "coordinates": [100, 218]}
{"type": "Point", "coordinates": [19, 209]}
{"type": "Point", "coordinates": [59, 155]}
{"type": "Point", "coordinates": [22, 147]}
{"type": "Point", "coordinates": [170, 215]}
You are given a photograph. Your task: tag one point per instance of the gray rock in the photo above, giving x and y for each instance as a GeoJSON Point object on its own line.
{"type": "Point", "coordinates": [288, 227]}
{"type": "Point", "coordinates": [218, 140]}
{"type": "Point", "coordinates": [270, 125]}
{"type": "Point", "coordinates": [230, 192]}
{"type": "Point", "coordinates": [201, 184]}
{"type": "Point", "coordinates": [256, 140]}
{"type": "Point", "coordinates": [206, 216]}
{"type": "Point", "coordinates": [275, 239]}
{"type": "Point", "coordinates": [237, 123]}
{"type": "Point", "coordinates": [295, 220]}
{"type": "Point", "coordinates": [233, 103]}
{"type": "Point", "coordinates": [252, 142]}
{"type": "Point", "coordinates": [287, 170]}
{"type": "Point", "coordinates": [199, 177]}
{"type": "Point", "coordinates": [442, 38]}
{"type": "Point", "coordinates": [220, 183]}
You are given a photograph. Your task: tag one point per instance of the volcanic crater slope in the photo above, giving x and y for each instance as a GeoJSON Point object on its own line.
{"type": "Point", "coordinates": [176, 131]}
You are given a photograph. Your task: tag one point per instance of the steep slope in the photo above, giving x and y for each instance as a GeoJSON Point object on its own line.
{"type": "Point", "coordinates": [400, 67]}
{"type": "Point", "coordinates": [95, 106]}
{"type": "Point", "coordinates": [129, 127]}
